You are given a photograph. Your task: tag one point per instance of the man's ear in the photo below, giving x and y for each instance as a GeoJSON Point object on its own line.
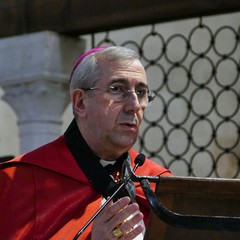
{"type": "Point", "coordinates": [78, 102]}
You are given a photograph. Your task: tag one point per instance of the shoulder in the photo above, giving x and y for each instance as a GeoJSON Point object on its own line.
{"type": "Point", "coordinates": [39, 155]}
{"type": "Point", "coordinates": [54, 158]}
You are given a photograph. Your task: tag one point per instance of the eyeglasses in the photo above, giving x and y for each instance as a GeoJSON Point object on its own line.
{"type": "Point", "coordinates": [120, 93]}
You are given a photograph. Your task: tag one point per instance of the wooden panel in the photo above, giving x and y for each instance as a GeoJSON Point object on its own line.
{"type": "Point", "coordinates": [81, 16]}
{"type": "Point", "coordinates": [195, 196]}
{"type": "Point", "coordinates": [11, 17]}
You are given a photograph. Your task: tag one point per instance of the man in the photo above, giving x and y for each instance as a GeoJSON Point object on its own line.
{"type": "Point", "coordinates": [51, 192]}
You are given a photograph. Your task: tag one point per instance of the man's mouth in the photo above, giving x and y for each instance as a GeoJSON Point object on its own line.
{"type": "Point", "coordinates": [129, 126]}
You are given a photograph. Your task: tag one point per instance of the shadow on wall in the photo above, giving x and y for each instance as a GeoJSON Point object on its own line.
{"type": "Point", "coordinates": [6, 158]}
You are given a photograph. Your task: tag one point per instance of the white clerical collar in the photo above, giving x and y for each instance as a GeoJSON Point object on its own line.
{"type": "Point", "coordinates": [105, 162]}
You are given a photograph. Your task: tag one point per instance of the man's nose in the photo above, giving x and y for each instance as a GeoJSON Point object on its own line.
{"type": "Point", "coordinates": [132, 103]}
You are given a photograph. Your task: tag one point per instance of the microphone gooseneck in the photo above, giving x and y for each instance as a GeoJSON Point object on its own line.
{"type": "Point", "coordinates": [139, 161]}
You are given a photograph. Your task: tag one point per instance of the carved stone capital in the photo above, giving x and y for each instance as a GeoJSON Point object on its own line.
{"type": "Point", "coordinates": [34, 74]}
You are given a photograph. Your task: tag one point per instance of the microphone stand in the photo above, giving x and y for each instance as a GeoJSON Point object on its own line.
{"type": "Point", "coordinates": [104, 205]}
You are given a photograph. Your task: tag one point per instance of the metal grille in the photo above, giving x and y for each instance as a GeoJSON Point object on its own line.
{"type": "Point", "coordinates": [193, 126]}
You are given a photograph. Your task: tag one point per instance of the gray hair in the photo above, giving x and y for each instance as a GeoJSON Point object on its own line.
{"type": "Point", "coordinates": [87, 73]}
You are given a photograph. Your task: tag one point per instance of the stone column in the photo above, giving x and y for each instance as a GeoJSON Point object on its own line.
{"type": "Point", "coordinates": [34, 73]}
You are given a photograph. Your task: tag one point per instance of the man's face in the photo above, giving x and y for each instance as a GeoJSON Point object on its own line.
{"type": "Point", "coordinates": [113, 126]}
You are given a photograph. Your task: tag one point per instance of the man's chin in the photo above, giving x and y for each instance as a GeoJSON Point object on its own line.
{"type": "Point", "coordinates": [126, 143]}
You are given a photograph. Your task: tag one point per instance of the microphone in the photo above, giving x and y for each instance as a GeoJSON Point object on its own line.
{"type": "Point", "coordinates": [139, 161]}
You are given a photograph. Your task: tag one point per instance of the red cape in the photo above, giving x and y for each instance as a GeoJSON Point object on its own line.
{"type": "Point", "coordinates": [45, 195]}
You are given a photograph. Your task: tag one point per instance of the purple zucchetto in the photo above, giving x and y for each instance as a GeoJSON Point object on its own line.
{"type": "Point", "coordinates": [79, 60]}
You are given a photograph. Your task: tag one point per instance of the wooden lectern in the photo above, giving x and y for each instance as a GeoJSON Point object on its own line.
{"type": "Point", "coordinates": [207, 197]}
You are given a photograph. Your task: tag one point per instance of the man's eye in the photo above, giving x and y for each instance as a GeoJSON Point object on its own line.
{"type": "Point", "coordinates": [141, 92]}
{"type": "Point", "coordinates": [115, 89]}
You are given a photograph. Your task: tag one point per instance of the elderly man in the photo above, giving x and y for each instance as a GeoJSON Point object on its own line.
{"type": "Point", "coordinates": [51, 192]}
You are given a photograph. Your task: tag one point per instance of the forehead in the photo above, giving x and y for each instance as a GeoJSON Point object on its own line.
{"type": "Point", "coordinates": [128, 71]}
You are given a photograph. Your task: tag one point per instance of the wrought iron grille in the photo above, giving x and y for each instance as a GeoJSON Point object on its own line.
{"type": "Point", "coordinates": [192, 127]}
